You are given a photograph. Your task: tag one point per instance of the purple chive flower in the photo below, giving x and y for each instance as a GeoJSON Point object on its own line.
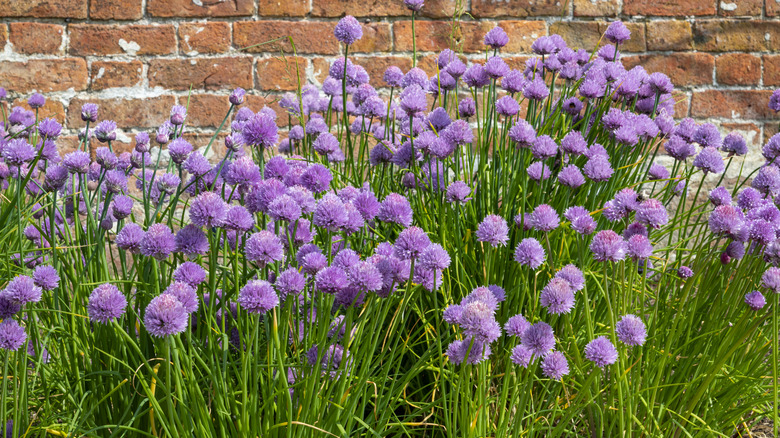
{"type": "Point", "coordinates": [507, 106]}
{"type": "Point", "coordinates": [165, 316]}
{"type": "Point", "coordinates": [414, 5]}
{"type": "Point", "coordinates": [190, 273]}
{"type": "Point", "coordinates": [734, 144]}
{"type": "Point", "coordinates": [452, 314]}
{"type": "Point", "coordinates": [393, 76]}
{"type": "Point", "coordinates": [258, 296]}
{"type": "Point", "coordinates": [572, 106]}
{"type": "Point", "coordinates": [598, 168]}
{"type": "Point", "coordinates": [755, 300]}
{"type": "Point", "coordinates": [395, 208]}
{"type": "Point", "coordinates": [684, 272]}
{"type": "Point", "coordinates": [513, 82]}
{"type": "Point", "coordinates": [330, 213]}
{"type": "Point", "coordinates": [22, 290]}
{"type": "Point", "coordinates": [12, 337]}
{"type": "Point", "coordinates": [494, 230]}
{"type": "Point", "coordinates": [56, 177]}
{"type": "Point", "coordinates": [657, 171]}
{"type": "Point", "coordinates": [516, 325]}
{"type": "Point", "coordinates": [639, 247]}
{"type": "Point", "coordinates": [601, 352]}
{"type": "Point", "coordinates": [749, 198]}
{"type": "Point", "coordinates": [77, 162]}
{"type": "Point", "coordinates": [186, 295]}
{"type": "Point", "coordinates": [774, 101]}
{"type": "Point", "coordinates": [538, 338]}
{"type": "Point", "coordinates": [49, 128]}
{"type": "Point", "coordinates": [538, 171]}
{"type": "Point", "coordinates": [570, 176]}
{"type": "Point", "coordinates": [178, 115]}
{"type": "Point", "coordinates": [709, 161]}
{"type": "Point", "coordinates": [167, 182]}
{"type": "Point", "coordinates": [467, 108]}
{"type": "Point", "coordinates": [290, 282]}
{"type": "Point", "coordinates": [179, 149]}
{"type": "Point", "coordinates": [617, 33]}
{"type": "Point", "coordinates": [529, 252]}
{"type": "Point", "coordinates": [331, 280]}
{"type": "Point", "coordinates": [8, 308]}
{"type": "Point", "coordinates": [496, 67]}
{"type": "Point", "coordinates": [348, 30]}
{"type": "Point", "coordinates": [521, 356]}
{"type": "Point", "coordinates": [89, 112]}
{"type": "Point", "coordinates": [237, 96]}
{"type": "Point", "coordinates": [46, 277]}
{"type": "Point", "coordinates": [726, 219]}
{"type": "Point", "coordinates": [496, 38]}
{"type": "Point", "coordinates": [573, 276]}
{"type": "Point", "coordinates": [129, 238]}
{"type": "Point", "coordinates": [608, 246]}
{"type": "Point", "coordinates": [412, 100]}
{"type": "Point", "coordinates": [411, 242]}
{"type": "Point", "coordinates": [574, 144]}
{"type": "Point", "coordinates": [678, 148]}
{"type": "Point", "coordinates": [260, 131]}
{"type": "Point", "coordinates": [264, 248]}
{"type": "Point", "coordinates": [17, 152]}
{"type": "Point", "coordinates": [555, 365]}
{"type": "Point", "coordinates": [158, 242]}
{"type": "Point", "coordinates": [544, 147]}
{"type": "Point", "coordinates": [284, 208]}
{"type": "Point", "coordinates": [365, 276]}
{"type": "Point", "coordinates": [557, 296]}
{"type": "Point", "coordinates": [771, 279]}
{"type": "Point", "coordinates": [476, 76]}
{"type": "Point", "coordinates": [434, 258]}
{"type": "Point", "coordinates": [238, 218]}
{"type": "Point", "coordinates": [208, 210]}
{"type": "Point", "coordinates": [458, 192]}
{"type": "Point", "coordinates": [36, 101]}
{"type": "Point", "coordinates": [652, 213]}
{"type": "Point", "coordinates": [544, 218]}
{"type": "Point", "coordinates": [105, 131]}
{"type": "Point", "coordinates": [536, 89]}
{"type": "Point", "coordinates": [106, 303]}
{"type": "Point", "coordinates": [191, 241]}
{"type": "Point", "coordinates": [316, 178]}
{"type": "Point", "coordinates": [366, 203]}
{"type": "Point", "coordinates": [631, 330]}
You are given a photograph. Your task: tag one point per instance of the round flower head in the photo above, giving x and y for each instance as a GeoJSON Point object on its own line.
{"type": "Point", "coordinates": [652, 213]}
{"type": "Point", "coordinates": [330, 213]}
{"type": "Point", "coordinates": [264, 248]}
{"type": "Point", "coordinates": [348, 30]}
{"type": "Point", "coordinates": [158, 242]}
{"type": "Point", "coordinates": [496, 38]}
{"type": "Point", "coordinates": [467, 108]}
{"type": "Point", "coordinates": [290, 282]}
{"type": "Point", "coordinates": [516, 325]}
{"type": "Point", "coordinates": [494, 230]}
{"type": "Point", "coordinates": [36, 101]}
{"type": "Point", "coordinates": [574, 144]}
{"type": "Point", "coordinates": [179, 149]}
{"type": "Point", "coordinates": [570, 176]}
{"type": "Point", "coordinates": [12, 337]}
{"type": "Point", "coordinates": [601, 352]}
{"type": "Point", "coordinates": [684, 272]}
{"type": "Point", "coordinates": [617, 33]}
{"type": "Point", "coordinates": [755, 300]}
{"type": "Point", "coordinates": [8, 308]}
{"type": "Point", "coordinates": [631, 330]}
{"type": "Point", "coordinates": [529, 252]}
{"type": "Point", "coordinates": [639, 247]}
{"type": "Point", "coordinates": [191, 241]}
{"type": "Point", "coordinates": [208, 210]}
{"type": "Point", "coordinates": [258, 296]}
{"type": "Point", "coordinates": [331, 280]}
{"type": "Point", "coordinates": [395, 208]}
{"type": "Point", "coordinates": [165, 316]}
{"type": "Point", "coordinates": [458, 192]}
{"type": "Point", "coordinates": [316, 178]}
{"type": "Point", "coordinates": [105, 131]}
{"type": "Point", "coordinates": [190, 273]}
{"type": "Point", "coordinates": [434, 257]}
{"type": "Point", "coordinates": [608, 246]}
{"type": "Point", "coordinates": [365, 276]}
{"type": "Point", "coordinates": [129, 238]}
{"type": "Point", "coordinates": [106, 303]}
{"type": "Point", "coordinates": [496, 67]}
{"type": "Point", "coordinates": [89, 112]}
{"type": "Point", "coordinates": [771, 279]}
{"type": "Point", "coordinates": [709, 160]}
{"type": "Point", "coordinates": [555, 365]}
{"type": "Point", "coordinates": [521, 355]}
{"type": "Point", "coordinates": [17, 152]}
{"type": "Point", "coordinates": [720, 196]}
{"type": "Point", "coordinates": [46, 277]}
{"type": "Point", "coordinates": [538, 171]}
{"type": "Point", "coordinates": [734, 144]}
{"type": "Point", "coordinates": [22, 290]}
{"type": "Point", "coordinates": [544, 218]}
{"type": "Point", "coordinates": [573, 276]}
{"type": "Point", "coordinates": [538, 338]}
{"type": "Point", "coordinates": [557, 296]}
{"type": "Point", "coordinates": [393, 76]}
{"type": "Point", "coordinates": [507, 106]}
{"type": "Point", "coordinates": [49, 128]}
{"type": "Point", "coordinates": [260, 131]}
{"type": "Point", "coordinates": [544, 147]}
{"type": "Point", "coordinates": [598, 168]}
{"type": "Point", "coordinates": [657, 171]}
{"type": "Point", "coordinates": [414, 5]}
{"type": "Point", "coordinates": [411, 242]}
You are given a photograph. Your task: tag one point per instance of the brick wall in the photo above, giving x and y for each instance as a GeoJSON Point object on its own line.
{"type": "Point", "coordinates": [136, 58]}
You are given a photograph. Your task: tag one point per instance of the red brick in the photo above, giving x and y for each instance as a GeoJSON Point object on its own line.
{"type": "Point", "coordinates": [205, 110]}
{"type": "Point", "coordinates": [52, 108]}
{"type": "Point", "coordinates": [669, 35]}
{"type": "Point", "coordinates": [740, 8]}
{"type": "Point", "coordinates": [44, 75]}
{"type": "Point", "coordinates": [44, 8]}
{"type": "Point", "coordinates": [738, 69]}
{"type": "Point", "coordinates": [669, 7]}
{"type": "Point", "coordinates": [97, 39]}
{"type": "Point", "coordinates": [772, 70]}
{"type": "Point", "coordinates": [188, 8]}
{"type": "Point", "coordinates": [30, 38]}
{"type": "Point", "coordinates": [596, 8]}
{"type": "Point", "coordinates": [379, 8]}
{"type": "Point", "coordinates": [578, 34]}
{"type": "Point", "coordinates": [3, 36]}
{"type": "Point", "coordinates": [201, 73]}
{"type": "Point", "coordinates": [197, 38]}
{"type": "Point", "coordinates": [281, 74]}
{"type": "Point", "coordinates": [147, 112]}
{"type": "Point", "coordinates": [434, 36]}
{"type": "Point", "coordinates": [517, 8]}
{"type": "Point", "coordinates": [309, 37]}
{"type": "Point", "coordinates": [732, 104]}
{"type": "Point", "coordinates": [110, 74]}
{"type": "Point", "coordinates": [522, 34]}
{"type": "Point", "coordinates": [772, 8]}
{"type": "Point", "coordinates": [376, 38]}
{"type": "Point", "coordinates": [736, 36]}
{"type": "Point", "coordinates": [682, 104]}
{"type": "Point", "coordinates": [115, 10]}
{"type": "Point", "coordinates": [684, 69]}
{"type": "Point", "coordinates": [280, 8]}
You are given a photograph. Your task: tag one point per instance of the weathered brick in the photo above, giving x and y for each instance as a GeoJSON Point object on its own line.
{"type": "Point", "coordinates": [596, 8]}
{"type": "Point", "coordinates": [98, 39]}
{"type": "Point", "coordinates": [516, 62]}
{"type": "Point", "coordinates": [30, 38]}
{"type": "Point", "coordinates": [116, 10]}
{"type": "Point", "coordinates": [44, 8]}
{"type": "Point", "coordinates": [637, 42]}
{"type": "Point", "coordinates": [201, 73]}
{"type": "Point", "coordinates": [522, 34]}
{"type": "Point", "coordinates": [517, 8]}
{"type": "Point", "coordinates": [44, 75]}
{"type": "Point", "coordinates": [738, 69]}
{"type": "Point", "coordinates": [772, 8]}
{"type": "Point", "coordinates": [669, 35]}
{"type": "Point", "coordinates": [739, 36]}
{"type": "Point", "coordinates": [771, 70]}
{"type": "Point", "coordinates": [189, 8]}
{"type": "Point", "coordinates": [433, 36]}
{"type": "Point", "coordinates": [309, 37]}
{"type": "Point", "coordinates": [195, 38]}
{"type": "Point", "coordinates": [111, 74]}
{"type": "Point", "coordinates": [205, 110]}
{"type": "Point", "coordinates": [669, 7]}
{"type": "Point", "coordinates": [379, 8]}
{"type": "Point", "coordinates": [682, 105]}
{"type": "Point", "coordinates": [147, 112]}
{"type": "Point", "coordinates": [578, 34]}
{"type": "Point", "coordinates": [52, 108]}
{"type": "Point", "coordinates": [3, 36]}
{"type": "Point", "coordinates": [684, 69]}
{"type": "Point", "coordinates": [280, 74]}
{"type": "Point", "coordinates": [740, 8]}
{"type": "Point", "coordinates": [376, 38]}
{"type": "Point", "coordinates": [279, 8]}
{"type": "Point", "coordinates": [732, 104]}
